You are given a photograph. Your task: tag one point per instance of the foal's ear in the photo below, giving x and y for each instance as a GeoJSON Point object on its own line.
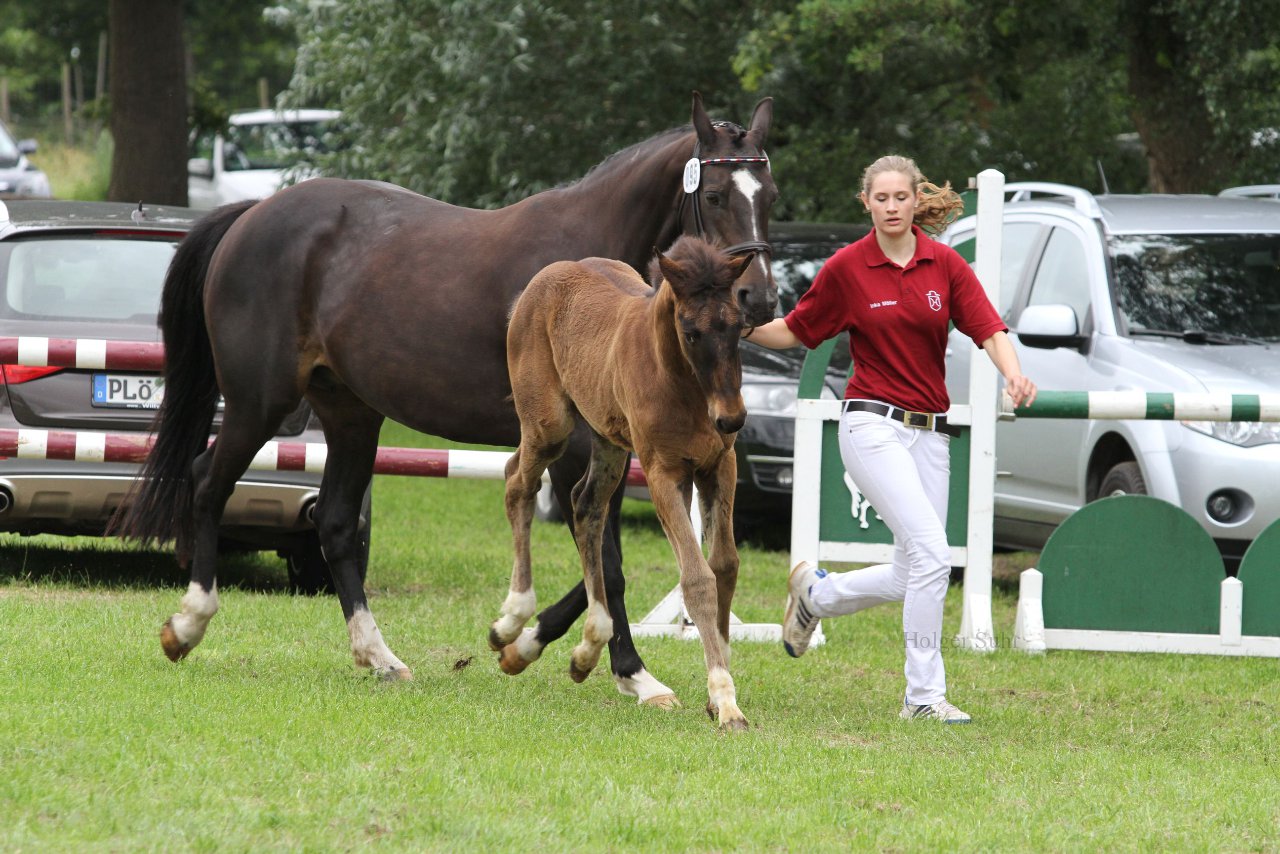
{"type": "Point", "coordinates": [671, 271]}
{"type": "Point", "coordinates": [702, 122]}
{"type": "Point", "coordinates": [738, 265]}
{"type": "Point", "coordinates": [761, 119]}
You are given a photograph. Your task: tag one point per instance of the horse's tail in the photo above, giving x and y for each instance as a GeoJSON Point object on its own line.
{"type": "Point", "coordinates": [159, 505]}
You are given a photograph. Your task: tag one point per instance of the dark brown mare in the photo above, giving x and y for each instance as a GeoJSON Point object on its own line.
{"type": "Point", "coordinates": [372, 302]}
{"type": "Point", "coordinates": [655, 371]}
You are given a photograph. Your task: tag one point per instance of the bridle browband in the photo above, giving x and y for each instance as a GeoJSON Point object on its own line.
{"type": "Point", "coordinates": [749, 246]}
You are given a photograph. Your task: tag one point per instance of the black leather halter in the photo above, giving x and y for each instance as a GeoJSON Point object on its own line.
{"type": "Point", "coordinates": [749, 246]}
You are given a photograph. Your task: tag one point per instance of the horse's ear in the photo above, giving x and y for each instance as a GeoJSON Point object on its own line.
{"type": "Point", "coordinates": [761, 118]}
{"type": "Point", "coordinates": [702, 122]}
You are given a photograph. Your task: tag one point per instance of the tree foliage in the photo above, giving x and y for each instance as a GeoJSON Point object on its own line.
{"type": "Point", "coordinates": [485, 101]}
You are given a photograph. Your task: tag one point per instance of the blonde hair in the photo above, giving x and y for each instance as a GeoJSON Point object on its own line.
{"type": "Point", "coordinates": [936, 207]}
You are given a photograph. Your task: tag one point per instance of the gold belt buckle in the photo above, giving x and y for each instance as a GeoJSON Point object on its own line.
{"type": "Point", "coordinates": [918, 420]}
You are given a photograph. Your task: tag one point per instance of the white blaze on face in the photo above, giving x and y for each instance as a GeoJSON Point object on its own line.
{"type": "Point", "coordinates": [750, 187]}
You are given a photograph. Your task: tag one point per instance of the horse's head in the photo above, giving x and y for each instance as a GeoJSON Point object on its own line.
{"type": "Point", "coordinates": [730, 200]}
{"type": "Point", "coordinates": [709, 322]}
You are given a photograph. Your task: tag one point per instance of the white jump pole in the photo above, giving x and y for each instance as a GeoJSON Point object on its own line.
{"type": "Point", "coordinates": [976, 629]}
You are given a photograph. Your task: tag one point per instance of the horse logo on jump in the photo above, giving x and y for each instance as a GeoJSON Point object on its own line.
{"type": "Point", "coordinates": [860, 503]}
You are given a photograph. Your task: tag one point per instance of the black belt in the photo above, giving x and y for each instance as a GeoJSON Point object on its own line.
{"type": "Point", "coordinates": [918, 420]}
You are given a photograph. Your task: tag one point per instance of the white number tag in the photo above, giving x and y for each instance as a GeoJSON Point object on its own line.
{"type": "Point", "coordinates": [692, 175]}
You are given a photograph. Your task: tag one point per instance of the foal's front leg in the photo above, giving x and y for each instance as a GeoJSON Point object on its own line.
{"type": "Point", "coordinates": [715, 494]}
{"type": "Point", "coordinates": [590, 509]}
{"type": "Point", "coordinates": [699, 586]}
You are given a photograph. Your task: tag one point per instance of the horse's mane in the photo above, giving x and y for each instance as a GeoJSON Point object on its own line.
{"type": "Point", "coordinates": [625, 155]}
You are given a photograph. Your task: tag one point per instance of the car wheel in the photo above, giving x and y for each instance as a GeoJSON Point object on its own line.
{"type": "Point", "coordinates": [309, 573]}
{"type": "Point", "coordinates": [546, 507]}
{"type": "Point", "coordinates": [308, 570]}
{"type": "Point", "coordinates": [1123, 479]}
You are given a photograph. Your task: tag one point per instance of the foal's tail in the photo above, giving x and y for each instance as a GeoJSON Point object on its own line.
{"type": "Point", "coordinates": [158, 507]}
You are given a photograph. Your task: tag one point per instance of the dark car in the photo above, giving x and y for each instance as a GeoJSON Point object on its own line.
{"type": "Point", "coordinates": [770, 378]}
{"type": "Point", "coordinates": [92, 270]}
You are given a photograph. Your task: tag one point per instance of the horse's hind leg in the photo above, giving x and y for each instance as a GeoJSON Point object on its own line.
{"type": "Point", "coordinates": [351, 433]}
{"type": "Point", "coordinates": [590, 508]}
{"type": "Point", "coordinates": [214, 476]}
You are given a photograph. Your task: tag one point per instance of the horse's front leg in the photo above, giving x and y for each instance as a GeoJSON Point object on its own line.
{"type": "Point", "coordinates": [699, 586]}
{"type": "Point", "coordinates": [590, 509]}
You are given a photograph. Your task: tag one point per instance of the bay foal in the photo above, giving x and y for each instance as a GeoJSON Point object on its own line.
{"type": "Point", "coordinates": [654, 370]}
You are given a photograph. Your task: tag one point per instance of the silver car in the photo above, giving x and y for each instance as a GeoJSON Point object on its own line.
{"type": "Point", "coordinates": [1144, 293]}
{"type": "Point", "coordinates": [93, 271]}
{"type": "Point", "coordinates": [19, 178]}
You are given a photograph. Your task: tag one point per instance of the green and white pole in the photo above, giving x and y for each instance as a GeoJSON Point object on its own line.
{"type": "Point", "coordinates": [1148, 406]}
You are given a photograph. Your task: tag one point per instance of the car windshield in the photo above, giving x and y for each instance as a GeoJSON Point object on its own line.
{"type": "Point", "coordinates": [276, 145]}
{"type": "Point", "coordinates": [84, 278]}
{"type": "Point", "coordinates": [1224, 285]}
{"type": "Point", "coordinates": [8, 149]}
{"type": "Point", "coordinates": [795, 263]}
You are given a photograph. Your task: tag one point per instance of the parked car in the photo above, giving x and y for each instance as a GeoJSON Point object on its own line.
{"type": "Point", "coordinates": [256, 154]}
{"type": "Point", "coordinates": [770, 378]}
{"type": "Point", "coordinates": [19, 178]}
{"type": "Point", "coordinates": [1147, 293]}
{"type": "Point", "coordinates": [1253, 191]}
{"type": "Point", "coordinates": [95, 270]}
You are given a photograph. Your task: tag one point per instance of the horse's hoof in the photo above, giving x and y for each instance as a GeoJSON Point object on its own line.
{"type": "Point", "coordinates": [511, 661]}
{"type": "Point", "coordinates": [576, 673]}
{"type": "Point", "coordinates": [495, 643]}
{"type": "Point", "coordinates": [174, 649]}
{"type": "Point", "coordinates": [734, 725]}
{"type": "Point", "coordinates": [666, 702]}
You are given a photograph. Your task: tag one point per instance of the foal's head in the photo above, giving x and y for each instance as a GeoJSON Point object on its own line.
{"type": "Point", "coordinates": [708, 322]}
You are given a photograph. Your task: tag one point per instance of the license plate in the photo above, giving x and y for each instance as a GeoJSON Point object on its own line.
{"type": "Point", "coordinates": [127, 391]}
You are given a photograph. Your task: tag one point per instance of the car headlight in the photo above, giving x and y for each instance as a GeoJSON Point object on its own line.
{"type": "Point", "coordinates": [776, 399]}
{"type": "Point", "coordinates": [1246, 434]}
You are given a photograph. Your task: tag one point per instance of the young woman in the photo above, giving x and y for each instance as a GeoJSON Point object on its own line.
{"type": "Point", "coordinates": [895, 291]}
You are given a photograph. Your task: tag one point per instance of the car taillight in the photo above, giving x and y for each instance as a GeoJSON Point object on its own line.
{"type": "Point", "coordinates": [18, 374]}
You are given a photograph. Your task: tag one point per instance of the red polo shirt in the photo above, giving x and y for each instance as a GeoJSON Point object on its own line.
{"type": "Point", "coordinates": [897, 318]}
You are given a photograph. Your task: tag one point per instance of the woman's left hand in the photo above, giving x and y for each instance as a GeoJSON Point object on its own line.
{"type": "Point", "coordinates": [1021, 389]}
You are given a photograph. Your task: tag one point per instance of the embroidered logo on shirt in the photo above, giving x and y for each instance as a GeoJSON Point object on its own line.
{"type": "Point", "coordinates": [935, 300]}
{"type": "Point", "coordinates": [883, 304]}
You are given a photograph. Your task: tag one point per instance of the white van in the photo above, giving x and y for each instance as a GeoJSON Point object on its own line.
{"type": "Point", "coordinates": [256, 154]}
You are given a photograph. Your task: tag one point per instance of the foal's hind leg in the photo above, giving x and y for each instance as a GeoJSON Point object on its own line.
{"type": "Point", "coordinates": [524, 478]}
{"type": "Point", "coordinates": [351, 433]}
{"type": "Point", "coordinates": [629, 673]}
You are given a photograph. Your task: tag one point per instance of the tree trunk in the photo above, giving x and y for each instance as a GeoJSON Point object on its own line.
{"type": "Point", "coordinates": [1169, 107]}
{"type": "Point", "coordinates": [148, 89]}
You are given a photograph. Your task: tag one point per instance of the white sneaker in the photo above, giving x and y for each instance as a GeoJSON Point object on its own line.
{"type": "Point", "coordinates": [799, 622]}
{"type": "Point", "coordinates": [941, 711]}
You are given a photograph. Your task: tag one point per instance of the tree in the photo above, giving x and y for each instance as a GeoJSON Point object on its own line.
{"type": "Point", "coordinates": [148, 87]}
{"type": "Point", "coordinates": [482, 103]}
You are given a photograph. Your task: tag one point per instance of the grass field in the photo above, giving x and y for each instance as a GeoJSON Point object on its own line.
{"type": "Point", "coordinates": [266, 738]}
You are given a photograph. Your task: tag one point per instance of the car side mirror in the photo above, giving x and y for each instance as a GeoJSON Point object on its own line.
{"type": "Point", "coordinates": [200, 167]}
{"type": "Point", "coordinates": [27, 146]}
{"type": "Point", "coordinates": [1050, 326]}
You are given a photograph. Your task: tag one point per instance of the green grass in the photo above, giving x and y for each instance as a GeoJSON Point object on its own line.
{"type": "Point", "coordinates": [266, 738]}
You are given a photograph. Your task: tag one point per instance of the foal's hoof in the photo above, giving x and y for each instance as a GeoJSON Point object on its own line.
{"type": "Point", "coordinates": [735, 725]}
{"type": "Point", "coordinates": [496, 643]}
{"type": "Point", "coordinates": [576, 673]}
{"type": "Point", "coordinates": [395, 674]}
{"type": "Point", "coordinates": [511, 662]}
{"type": "Point", "coordinates": [175, 649]}
{"type": "Point", "coordinates": [734, 721]}
{"type": "Point", "coordinates": [666, 702]}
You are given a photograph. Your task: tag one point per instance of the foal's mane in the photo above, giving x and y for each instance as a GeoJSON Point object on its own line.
{"type": "Point", "coordinates": [703, 263]}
